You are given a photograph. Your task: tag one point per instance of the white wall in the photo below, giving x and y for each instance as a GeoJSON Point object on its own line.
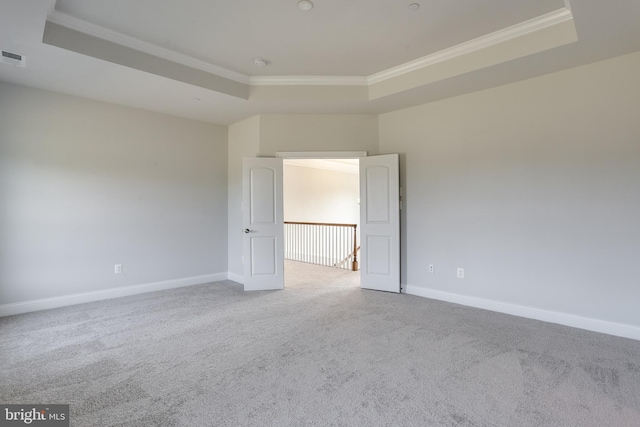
{"type": "Point", "coordinates": [319, 195]}
{"type": "Point", "coordinates": [318, 132]}
{"type": "Point", "coordinates": [533, 188]}
{"type": "Point", "coordinates": [325, 196]}
{"type": "Point", "coordinates": [85, 185]}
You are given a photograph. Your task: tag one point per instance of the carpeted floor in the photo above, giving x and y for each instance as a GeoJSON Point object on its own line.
{"type": "Point", "coordinates": [320, 353]}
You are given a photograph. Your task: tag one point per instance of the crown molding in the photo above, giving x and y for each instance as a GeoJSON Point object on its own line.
{"type": "Point", "coordinates": [477, 44]}
{"type": "Point", "coordinates": [82, 26]}
{"type": "Point", "coordinates": [308, 81]}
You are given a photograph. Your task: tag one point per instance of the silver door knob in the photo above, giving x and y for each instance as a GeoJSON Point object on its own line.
{"type": "Point", "coordinates": [246, 230]}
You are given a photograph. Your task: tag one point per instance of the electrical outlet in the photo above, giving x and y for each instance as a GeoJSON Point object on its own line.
{"type": "Point", "coordinates": [117, 269]}
{"type": "Point", "coordinates": [460, 273]}
{"type": "Point", "coordinates": [431, 268]}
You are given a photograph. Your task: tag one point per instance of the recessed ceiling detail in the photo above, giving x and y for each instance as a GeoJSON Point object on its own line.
{"type": "Point", "coordinates": [159, 55]}
{"type": "Point", "coordinates": [341, 38]}
{"type": "Point", "coordinates": [76, 41]}
{"type": "Point", "coordinates": [534, 35]}
{"type": "Point", "coordinates": [87, 28]}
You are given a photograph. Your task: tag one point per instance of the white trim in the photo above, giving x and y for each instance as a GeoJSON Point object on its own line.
{"type": "Point", "coordinates": [321, 154]}
{"type": "Point", "coordinates": [63, 301]}
{"type": "Point", "coordinates": [235, 277]}
{"type": "Point", "coordinates": [85, 27]}
{"type": "Point", "coordinates": [596, 325]}
{"type": "Point", "coordinates": [308, 81]}
{"type": "Point", "coordinates": [475, 45]}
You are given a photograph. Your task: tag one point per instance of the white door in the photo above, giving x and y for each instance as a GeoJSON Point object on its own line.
{"type": "Point", "coordinates": [263, 224]}
{"type": "Point", "coordinates": [380, 223]}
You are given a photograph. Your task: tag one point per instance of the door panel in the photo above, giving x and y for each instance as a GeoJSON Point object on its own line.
{"type": "Point", "coordinates": [263, 195]}
{"type": "Point", "coordinates": [377, 194]}
{"type": "Point", "coordinates": [378, 255]}
{"type": "Point", "coordinates": [380, 223]}
{"type": "Point", "coordinates": [263, 224]}
{"type": "Point", "coordinates": [263, 260]}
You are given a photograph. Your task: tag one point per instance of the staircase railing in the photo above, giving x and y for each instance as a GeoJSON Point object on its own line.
{"type": "Point", "coordinates": [328, 244]}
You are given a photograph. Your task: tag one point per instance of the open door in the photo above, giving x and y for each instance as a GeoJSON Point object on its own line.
{"type": "Point", "coordinates": [263, 224]}
{"type": "Point", "coordinates": [380, 223]}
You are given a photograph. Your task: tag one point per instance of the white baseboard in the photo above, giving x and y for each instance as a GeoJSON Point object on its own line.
{"type": "Point", "coordinates": [238, 278]}
{"type": "Point", "coordinates": [603, 326]}
{"type": "Point", "coordinates": [62, 301]}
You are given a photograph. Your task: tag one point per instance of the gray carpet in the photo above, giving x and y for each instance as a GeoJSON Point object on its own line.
{"type": "Point", "coordinates": [320, 353]}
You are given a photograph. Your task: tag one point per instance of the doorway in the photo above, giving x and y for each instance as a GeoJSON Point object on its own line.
{"type": "Point", "coordinates": [263, 221]}
{"type": "Point", "coordinates": [322, 218]}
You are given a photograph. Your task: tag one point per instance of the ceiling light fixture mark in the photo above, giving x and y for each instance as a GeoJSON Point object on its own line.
{"type": "Point", "coordinates": [305, 5]}
{"type": "Point", "coordinates": [259, 62]}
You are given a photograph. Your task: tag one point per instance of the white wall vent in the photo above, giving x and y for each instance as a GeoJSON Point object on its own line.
{"type": "Point", "coordinates": [13, 59]}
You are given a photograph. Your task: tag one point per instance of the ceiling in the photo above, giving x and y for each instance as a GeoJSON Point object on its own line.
{"type": "Point", "coordinates": [194, 58]}
{"type": "Point", "coordinates": [336, 38]}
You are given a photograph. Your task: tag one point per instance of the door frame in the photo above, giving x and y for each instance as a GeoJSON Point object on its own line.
{"type": "Point", "coordinates": [332, 155]}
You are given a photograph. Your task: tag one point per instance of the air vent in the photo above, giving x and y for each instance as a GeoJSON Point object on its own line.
{"type": "Point", "coordinates": [13, 59]}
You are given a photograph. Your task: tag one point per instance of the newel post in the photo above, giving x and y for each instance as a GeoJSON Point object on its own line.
{"type": "Point", "coordinates": [354, 265]}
